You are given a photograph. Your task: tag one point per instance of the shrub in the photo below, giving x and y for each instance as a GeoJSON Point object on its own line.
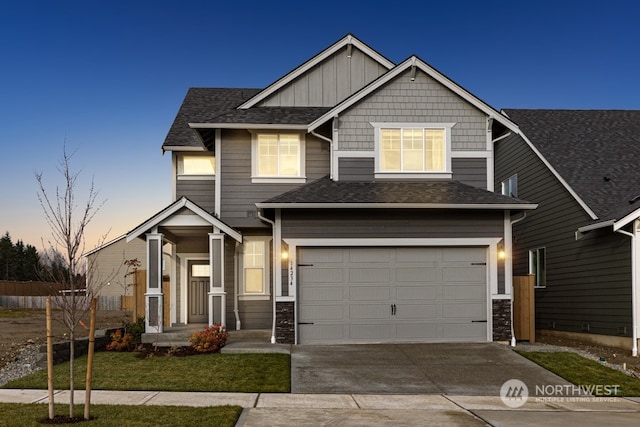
{"type": "Point", "coordinates": [135, 328]}
{"type": "Point", "coordinates": [210, 339]}
{"type": "Point", "coordinates": [121, 342]}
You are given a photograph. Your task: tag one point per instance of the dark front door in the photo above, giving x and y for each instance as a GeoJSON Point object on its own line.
{"type": "Point", "coordinates": [198, 290]}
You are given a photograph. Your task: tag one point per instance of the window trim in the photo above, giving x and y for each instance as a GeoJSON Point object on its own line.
{"type": "Point", "coordinates": [379, 173]}
{"type": "Point", "coordinates": [180, 175]}
{"type": "Point", "coordinates": [513, 179]}
{"type": "Point", "coordinates": [257, 178]}
{"type": "Point", "coordinates": [266, 275]}
{"type": "Point", "coordinates": [536, 274]}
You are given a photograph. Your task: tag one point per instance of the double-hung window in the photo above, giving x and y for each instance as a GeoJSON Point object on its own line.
{"type": "Point", "coordinates": [423, 150]}
{"type": "Point", "coordinates": [538, 266]}
{"type": "Point", "coordinates": [255, 268]}
{"type": "Point", "coordinates": [278, 157]}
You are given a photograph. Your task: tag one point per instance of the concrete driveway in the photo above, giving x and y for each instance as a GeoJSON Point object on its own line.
{"type": "Point", "coordinates": [477, 369]}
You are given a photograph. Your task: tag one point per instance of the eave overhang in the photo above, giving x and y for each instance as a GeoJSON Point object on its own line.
{"type": "Point", "coordinates": [469, 206]}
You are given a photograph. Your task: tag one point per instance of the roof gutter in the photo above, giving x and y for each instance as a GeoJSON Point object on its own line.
{"type": "Point", "coordinates": [377, 205]}
{"type": "Point", "coordinates": [247, 126]}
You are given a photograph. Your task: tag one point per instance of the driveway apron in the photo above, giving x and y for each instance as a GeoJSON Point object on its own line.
{"type": "Point", "coordinates": [475, 369]}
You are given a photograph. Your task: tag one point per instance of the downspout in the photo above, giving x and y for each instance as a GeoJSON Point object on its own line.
{"type": "Point", "coordinates": [634, 285]}
{"type": "Point", "coordinates": [330, 141]}
{"type": "Point", "coordinates": [513, 332]}
{"type": "Point", "coordinates": [237, 288]}
{"type": "Point", "coordinates": [274, 272]}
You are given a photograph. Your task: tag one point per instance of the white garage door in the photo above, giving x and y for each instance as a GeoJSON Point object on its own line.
{"type": "Point", "coordinates": [380, 294]}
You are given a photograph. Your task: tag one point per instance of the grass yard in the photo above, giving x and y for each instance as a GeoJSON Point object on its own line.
{"type": "Point", "coordinates": [251, 373]}
{"type": "Point", "coordinates": [24, 415]}
{"type": "Point", "coordinates": [14, 313]}
{"type": "Point", "coordinates": [582, 371]}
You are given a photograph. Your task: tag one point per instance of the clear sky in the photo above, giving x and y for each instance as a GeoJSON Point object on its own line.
{"type": "Point", "coordinates": [108, 77]}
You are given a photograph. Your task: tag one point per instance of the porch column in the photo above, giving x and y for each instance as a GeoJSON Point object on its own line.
{"type": "Point", "coordinates": [154, 300]}
{"type": "Point", "coordinates": [217, 295]}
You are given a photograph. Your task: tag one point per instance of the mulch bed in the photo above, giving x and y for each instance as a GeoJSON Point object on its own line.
{"type": "Point", "coordinates": [146, 351]}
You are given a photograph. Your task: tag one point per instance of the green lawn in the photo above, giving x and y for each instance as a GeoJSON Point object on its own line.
{"type": "Point", "coordinates": [23, 415]}
{"type": "Point", "coordinates": [252, 373]}
{"type": "Point", "coordinates": [581, 371]}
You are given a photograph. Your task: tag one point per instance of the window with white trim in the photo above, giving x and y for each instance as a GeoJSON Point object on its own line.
{"type": "Point", "coordinates": [277, 157]}
{"type": "Point", "coordinates": [510, 186]}
{"type": "Point", "coordinates": [255, 267]}
{"type": "Point", "coordinates": [413, 149]}
{"type": "Point", "coordinates": [196, 165]}
{"type": "Point", "coordinates": [538, 266]}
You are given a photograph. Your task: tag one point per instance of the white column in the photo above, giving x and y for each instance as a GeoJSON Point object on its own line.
{"type": "Point", "coordinates": [635, 286]}
{"type": "Point", "coordinates": [217, 295]}
{"type": "Point", "coordinates": [153, 297]}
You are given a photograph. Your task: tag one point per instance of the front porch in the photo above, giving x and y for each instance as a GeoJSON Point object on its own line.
{"type": "Point", "coordinates": [242, 341]}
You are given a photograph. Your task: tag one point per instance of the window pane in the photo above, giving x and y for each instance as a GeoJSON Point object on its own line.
{"type": "Point", "coordinates": [541, 276]}
{"type": "Point", "coordinates": [390, 152]}
{"type": "Point", "coordinates": [200, 270]}
{"type": "Point", "coordinates": [289, 155]}
{"type": "Point", "coordinates": [253, 280]}
{"type": "Point", "coordinates": [267, 155]}
{"type": "Point", "coordinates": [412, 150]}
{"type": "Point", "coordinates": [434, 149]}
{"type": "Point", "coordinates": [198, 165]}
{"type": "Point", "coordinates": [254, 253]}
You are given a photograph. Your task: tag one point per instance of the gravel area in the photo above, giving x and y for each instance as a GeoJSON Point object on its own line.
{"type": "Point", "coordinates": [26, 362]}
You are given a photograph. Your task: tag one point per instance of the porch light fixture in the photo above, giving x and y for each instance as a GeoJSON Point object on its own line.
{"type": "Point", "coordinates": [284, 255]}
{"type": "Point", "coordinates": [501, 254]}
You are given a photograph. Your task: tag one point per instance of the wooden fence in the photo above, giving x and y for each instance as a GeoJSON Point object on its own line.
{"type": "Point", "coordinates": [524, 312]}
{"type": "Point", "coordinates": [135, 303]}
{"type": "Point", "coordinates": [38, 302]}
{"type": "Point", "coordinates": [29, 288]}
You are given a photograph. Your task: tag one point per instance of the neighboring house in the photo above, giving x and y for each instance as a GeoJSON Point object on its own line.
{"type": "Point", "coordinates": [108, 267]}
{"type": "Point", "coordinates": [581, 244]}
{"type": "Point", "coordinates": [349, 201]}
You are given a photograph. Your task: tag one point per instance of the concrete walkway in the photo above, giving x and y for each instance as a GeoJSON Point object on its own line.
{"type": "Point", "coordinates": [284, 409]}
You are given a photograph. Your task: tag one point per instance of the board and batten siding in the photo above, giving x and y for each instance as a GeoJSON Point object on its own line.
{"type": "Point", "coordinates": [239, 195]}
{"type": "Point", "coordinates": [588, 280]}
{"type": "Point", "coordinates": [423, 100]}
{"type": "Point", "coordinates": [200, 192]}
{"type": "Point", "coordinates": [470, 171]}
{"type": "Point", "coordinates": [325, 85]}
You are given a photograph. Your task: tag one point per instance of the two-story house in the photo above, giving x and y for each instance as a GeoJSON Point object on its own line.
{"type": "Point", "coordinates": [349, 201]}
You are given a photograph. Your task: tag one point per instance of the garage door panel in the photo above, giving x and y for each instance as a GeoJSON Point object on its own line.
{"type": "Point", "coordinates": [464, 292]}
{"type": "Point", "coordinates": [418, 331]}
{"type": "Point", "coordinates": [464, 331]}
{"type": "Point", "coordinates": [419, 255]}
{"type": "Point", "coordinates": [369, 255]}
{"type": "Point", "coordinates": [322, 275]}
{"type": "Point", "coordinates": [464, 255]}
{"type": "Point", "coordinates": [467, 274]}
{"type": "Point", "coordinates": [320, 255]}
{"type": "Point", "coordinates": [369, 311]}
{"type": "Point", "coordinates": [369, 275]}
{"type": "Point", "coordinates": [416, 311]}
{"type": "Point", "coordinates": [376, 332]}
{"type": "Point", "coordinates": [369, 293]}
{"type": "Point", "coordinates": [323, 293]}
{"type": "Point", "coordinates": [464, 311]}
{"type": "Point", "coordinates": [416, 274]}
{"type": "Point", "coordinates": [321, 333]}
{"type": "Point", "coordinates": [322, 312]}
{"type": "Point", "coordinates": [412, 293]}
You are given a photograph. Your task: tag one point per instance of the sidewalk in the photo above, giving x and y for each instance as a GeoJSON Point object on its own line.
{"type": "Point", "coordinates": [284, 409]}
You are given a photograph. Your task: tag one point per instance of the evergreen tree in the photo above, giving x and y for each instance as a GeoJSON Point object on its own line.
{"type": "Point", "coordinates": [7, 255]}
{"type": "Point", "coordinates": [18, 262]}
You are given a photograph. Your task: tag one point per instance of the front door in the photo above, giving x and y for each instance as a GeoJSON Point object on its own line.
{"type": "Point", "coordinates": [198, 291]}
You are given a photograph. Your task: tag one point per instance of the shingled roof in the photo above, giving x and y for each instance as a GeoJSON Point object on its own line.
{"type": "Point", "coordinates": [201, 105]}
{"type": "Point", "coordinates": [597, 152]}
{"type": "Point", "coordinates": [436, 194]}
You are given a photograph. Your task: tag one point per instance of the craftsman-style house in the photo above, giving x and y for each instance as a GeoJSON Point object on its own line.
{"type": "Point", "coordinates": [349, 201]}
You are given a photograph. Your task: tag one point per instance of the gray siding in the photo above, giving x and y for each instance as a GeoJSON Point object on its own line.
{"type": "Point", "coordinates": [200, 192]}
{"type": "Point", "coordinates": [356, 169]}
{"type": "Point", "coordinates": [390, 223]}
{"type": "Point", "coordinates": [325, 85]}
{"type": "Point", "coordinates": [470, 171]}
{"type": "Point", "coordinates": [239, 194]}
{"type": "Point", "coordinates": [421, 101]}
{"type": "Point", "coordinates": [588, 280]}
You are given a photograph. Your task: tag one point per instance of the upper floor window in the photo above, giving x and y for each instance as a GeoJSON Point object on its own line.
{"type": "Point", "coordinates": [196, 165]}
{"type": "Point", "coordinates": [510, 186]}
{"type": "Point", "coordinates": [278, 157]}
{"type": "Point", "coordinates": [413, 149]}
{"type": "Point", "coordinates": [538, 266]}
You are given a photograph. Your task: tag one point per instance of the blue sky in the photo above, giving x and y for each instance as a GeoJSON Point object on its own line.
{"type": "Point", "coordinates": [108, 77]}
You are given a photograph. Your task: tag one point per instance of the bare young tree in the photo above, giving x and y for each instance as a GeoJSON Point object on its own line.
{"type": "Point", "coordinates": [68, 221]}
